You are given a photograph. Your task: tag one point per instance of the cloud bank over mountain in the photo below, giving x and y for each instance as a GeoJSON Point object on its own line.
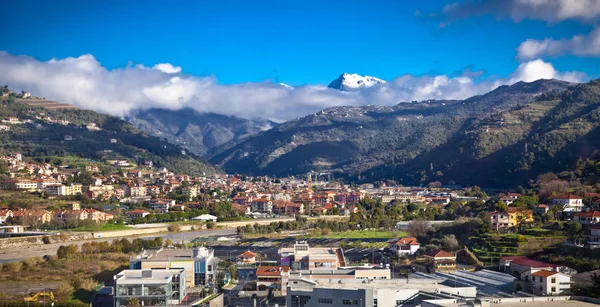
{"type": "Point", "coordinates": [85, 82]}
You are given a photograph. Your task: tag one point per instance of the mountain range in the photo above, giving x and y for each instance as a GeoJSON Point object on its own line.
{"type": "Point", "coordinates": [497, 139]}
{"type": "Point", "coordinates": [195, 131]}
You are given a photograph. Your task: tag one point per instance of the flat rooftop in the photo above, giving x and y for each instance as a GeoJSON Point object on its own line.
{"type": "Point", "coordinates": [134, 277]}
{"type": "Point", "coordinates": [171, 254]}
{"type": "Point", "coordinates": [544, 303]}
{"type": "Point", "coordinates": [396, 284]}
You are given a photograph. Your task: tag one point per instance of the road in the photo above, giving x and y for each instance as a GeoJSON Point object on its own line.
{"type": "Point", "coordinates": [18, 254]}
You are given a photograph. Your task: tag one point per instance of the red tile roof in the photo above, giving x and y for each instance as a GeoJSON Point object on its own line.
{"type": "Point", "coordinates": [525, 261]}
{"type": "Point", "coordinates": [543, 273]}
{"type": "Point", "coordinates": [438, 254]}
{"type": "Point", "coordinates": [405, 241]}
{"type": "Point", "coordinates": [567, 196]}
{"type": "Point", "coordinates": [271, 270]}
{"type": "Point", "coordinates": [248, 254]}
{"type": "Point", "coordinates": [588, 214]}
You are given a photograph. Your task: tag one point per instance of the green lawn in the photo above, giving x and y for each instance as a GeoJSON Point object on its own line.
{"type": "Point", "coordinates": [104, 227]}
{"type": "Point", "coordinates": [366, 234]}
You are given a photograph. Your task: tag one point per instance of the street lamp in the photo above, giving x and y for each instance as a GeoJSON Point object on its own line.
{"type": "Point", "coordinates": [229, 254]}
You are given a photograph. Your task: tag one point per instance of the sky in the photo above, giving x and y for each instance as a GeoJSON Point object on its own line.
{"type": "Point", "coordinates": [229, 56]}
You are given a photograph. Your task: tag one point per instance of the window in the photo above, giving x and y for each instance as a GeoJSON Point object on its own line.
{"type": "Point", "coordinates": [541, 288]}
{"type": "Point", "coordinates": [553, 289]}
{"type": "Point", "coordinates": [350, 302]}
{"type": "Point", "coordinates": [209, 268]}
{"type": "Point", "coordinates": [553, 280]}
{"type": "Point", "coordinates": [325, 301]}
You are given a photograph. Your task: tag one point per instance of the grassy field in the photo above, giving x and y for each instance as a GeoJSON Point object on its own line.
{"type": "Point", "coordinates": [366, 234]}
{"type": "Point", "coordinates": [104, 227]}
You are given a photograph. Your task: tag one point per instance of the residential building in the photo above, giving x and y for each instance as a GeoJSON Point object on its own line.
{"type": "Point", "coordinates": [137, 213]}
{"type": "Point", "coordinates": [63, 190]}
{"type": "Point", "coordinates": [510, 198]}
{"type": "Point", "coordinates": [5, 215]}
{"type": "Point", "coordinates": [153, 287]}
{"type": "Point", "coordinates": [587, 218]}
{"type": "Point", "coordinates": [262, 205]}
{"type": "Point", "coordinates": [571, 202]}
{"type": "Point", "coordinates": [404, 246]}
{"type": "Point", "coordinates": [542, 209]}
{"type": "Point", "coordinates": [247, 257]}
{"type": "Point", "coordinates": [512, 218]}
{"type": "Point", "coordinates": [522, 268]}
{"type": "Point", "coordinates": [593, 240]}
{"type": "Point", "coordinates": [436, 261]}
{"type": "Point", "coordinates": [272, 277]}
{"type": "Point", "coordinates": [545, 282]}
{"type": "Point", "coordinates": [199, 263]}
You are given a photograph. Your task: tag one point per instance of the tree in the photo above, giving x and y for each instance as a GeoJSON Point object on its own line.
{"type": "Point", "coordinates": [211, 225]}
{"type": "Point", "coordinates": [168, 242]}
{"type": "Point", "coordinates": [418, 228]}
{"type": "Point", "coordinates": [450, 242]}
{"type": "Point", "coordinates": [573, 228]}
{"type": "Point", "coordinates": [501, 206]}
{"type": "Point", "coordinates": [133, 301]}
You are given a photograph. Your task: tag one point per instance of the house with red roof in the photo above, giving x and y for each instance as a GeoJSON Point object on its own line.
{"type": "Point", "coordinates": [137, 213]}
{"type": "Point", "coordinates": [247, 257]}
{"type": "Point", "coordinates": [436, 261]}
{"type": "Point", "coordinates": [523, 267]}
{"type": "Point", "coordinates": [275, 277]}
{"type": "Point", "coordinates": [404, 246]}
{"type": "Point", "coordinates": [587, 218]}
{"type": "Point", "coordinates": [545, 282]}
{"type": "Point", "coordinates": [571, 202]}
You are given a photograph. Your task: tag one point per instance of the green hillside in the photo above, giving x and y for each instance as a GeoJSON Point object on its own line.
{"type": "Point", "coordinates": [39, 135]}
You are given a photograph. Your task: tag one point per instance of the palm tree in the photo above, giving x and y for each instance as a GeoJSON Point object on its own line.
{"type": "Point", "coordinates": [134, 302]}
{"type": "Point", "coordinates": [558, 208]}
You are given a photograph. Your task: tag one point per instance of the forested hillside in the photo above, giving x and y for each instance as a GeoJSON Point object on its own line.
{"type": "Point", "coordinates": [370, 143]}
{"type": "Point", "coordinates": [509, 148]}
{"type": "Point", "coordinates": [43, 132]}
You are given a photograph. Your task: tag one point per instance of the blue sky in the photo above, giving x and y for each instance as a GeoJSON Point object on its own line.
{"type": "Point", "coordinates": [228, 56]}
{"type": "Point", "coordinates": [294, 42]}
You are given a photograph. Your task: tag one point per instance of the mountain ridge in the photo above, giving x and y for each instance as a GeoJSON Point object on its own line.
{"type": "Point", "coordinates": [355, 141]}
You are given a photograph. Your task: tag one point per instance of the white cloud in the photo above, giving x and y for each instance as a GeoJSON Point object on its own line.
{"type": "Point", "coordinates": [580, 45]}
{"type": "Point", "coordinates": [167, 68]}
{"type": "Point", "coordinates": [547, 10]}
{"type": "Point", "coordinates": [84, 82]}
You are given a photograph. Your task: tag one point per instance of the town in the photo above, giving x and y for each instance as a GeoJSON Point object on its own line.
{"type": "Point", "coordinates": [296, 241]}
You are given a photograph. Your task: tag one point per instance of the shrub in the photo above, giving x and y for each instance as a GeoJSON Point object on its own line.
{"type": "Point", "coordinates": [64, 291]}
{"type": "Point", "coordinates": [32, 262]}
{"type": "Point", "coordinates": [211, 225]}
{"type": "Point", "coordinates": [88, 284]}
{"type": "Point", "coordinates": [46, 240]}
{"type": "Point", "coordinates": [13, 267]}
{"type": "Point", "coordinates": [174, 228]}
{"type": "Point", "coordinates": [521, 238]}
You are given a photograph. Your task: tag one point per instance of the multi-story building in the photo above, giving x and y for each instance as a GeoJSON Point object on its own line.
{"type": "Point", "coordinates": [593, 240]}
{"type": "Point", "coordinates": [404, 246]}
{"type": "Point", "coordinates": [513, 217]}
{"type": "Point", "coordinates": [571, 203]}
{"type": "Point", "coordinates": [546, 282]}
{"type": "Point", "coordinates": [262, 205]}
{"type": "Point", "coordinates": [587, 218]}
{"type": "Point", "coordinates": [199, 263]}
{"type": "Point", "coordinates": [153, 287]}
{"type": "Point", "coordinates": [63, 190]}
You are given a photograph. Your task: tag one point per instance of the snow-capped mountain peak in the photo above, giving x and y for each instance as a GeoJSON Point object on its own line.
{"type": "Point", "coordinates": [348, 81]}
{"type": "Point", "coordinates": [289, 87]}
